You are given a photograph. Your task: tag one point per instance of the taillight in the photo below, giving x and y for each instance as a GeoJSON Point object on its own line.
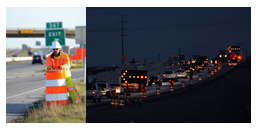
{"type": "Point", "coordinates": [93, 92]}
{"type": "Point", "coordinates": [148, 80]}
{"type": "Point", "coordinates": [183, 73]}
{"type": "Point", "coordinates": [164, 75]}
{"type": "Point", "coordinates": [107, 89]}
{"type": "Point", "coordinates": [117, 88]}
{"type": "Point", "coordinates": [157, 80]}
{"type": "Point", "coordinates": [173, 74]}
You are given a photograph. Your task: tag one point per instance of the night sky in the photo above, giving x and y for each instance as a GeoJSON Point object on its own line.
{"type": "Point", "coordinates": [152, 31]}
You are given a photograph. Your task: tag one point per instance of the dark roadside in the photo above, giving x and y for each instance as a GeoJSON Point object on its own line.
{"type": "Point", "coordinates": [224, 100]}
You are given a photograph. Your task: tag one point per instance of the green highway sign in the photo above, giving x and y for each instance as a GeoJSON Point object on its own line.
{"type": "Point", "coordinates": [54, 34]}
{"type": "Point", "coordinates": [51, 25]}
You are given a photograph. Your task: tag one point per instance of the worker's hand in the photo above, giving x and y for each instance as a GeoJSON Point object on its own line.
{"type": "Point", "coordinates": [48, 67]}
{"type": "Point", "coordinates": [60, 67]}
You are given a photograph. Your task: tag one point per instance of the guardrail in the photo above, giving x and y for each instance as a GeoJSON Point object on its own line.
{"type": "Point", "coordinates": [12, 59]}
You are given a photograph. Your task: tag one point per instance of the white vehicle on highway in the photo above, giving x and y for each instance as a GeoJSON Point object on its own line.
{"type": "Point", "coordinates": [181, 73]}
{"type": "Point", "coordinates": [93, 92]}
{"type": "Point", "coordinates": [118, 87]}
{"type": "Point", "coordinates": [105, 88]}
{"type": "Point", "coordinates": [169, 75]}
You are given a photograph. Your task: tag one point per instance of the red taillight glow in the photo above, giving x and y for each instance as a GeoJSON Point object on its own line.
{"type": "Point", "coordinates": [158, 80]}
{"type": "Point", "coordinates": [107, 89]}
{"type": "Point", "coordinates": [148, 80]}
{"type": "Point", "coordinates": [117, 87]}
{"type": "Point", "coordinates": [183, 73]}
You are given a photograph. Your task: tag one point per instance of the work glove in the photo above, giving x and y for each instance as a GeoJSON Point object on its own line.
{"type": "Point", "coordinates": [62, 67]}
{"type": "Point", "coordinates": [49, 68]}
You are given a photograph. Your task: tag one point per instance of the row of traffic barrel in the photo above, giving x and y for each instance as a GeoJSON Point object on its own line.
{"type": "Point", "coordinates": [120, 102]}
{"type": "Point", "coordinates": [209, 74]}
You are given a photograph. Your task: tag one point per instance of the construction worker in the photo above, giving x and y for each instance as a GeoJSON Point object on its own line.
{"type": "Point", "coordinates": [59, 59]}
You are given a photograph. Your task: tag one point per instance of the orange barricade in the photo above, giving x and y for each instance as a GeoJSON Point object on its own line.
{"type": "Point", "coordinates": [128, 101]}
{"type": "Point", "coordinates": [190, 82]}
{"type": "Point", "coordinates": [157, 91]}
{"type": "Point", "coordinates": [144, 95]}
{"type": "Point", "coordinates": [122, 102]}
{"type": "Point", "coordinates": [215, 70]}
{"type": "Point", "coordinates": [200, 78]}
{"type": "Point", "coordinates": [183, 84]}
{"type": "Point", "coordinates": [112, 102]}
{"type": "Point", "coordinates": [56, 89]}
{"type": "Point", "coordinates": [212, 73]}
{"type": "Point", "coordinates": [116, 101]}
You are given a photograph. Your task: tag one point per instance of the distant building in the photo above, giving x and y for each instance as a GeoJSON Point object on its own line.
{"type": "Point", "coordinates": [24, 47]}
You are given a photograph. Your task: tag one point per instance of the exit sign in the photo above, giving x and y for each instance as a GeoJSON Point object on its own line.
{"type": "Point", "coordinates": [51, 25]}
{"type": "Point", "coordinates": [54, 35]}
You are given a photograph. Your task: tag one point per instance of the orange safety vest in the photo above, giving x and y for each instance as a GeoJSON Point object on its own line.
{"type": "Point", "coordinates": [63, 59]}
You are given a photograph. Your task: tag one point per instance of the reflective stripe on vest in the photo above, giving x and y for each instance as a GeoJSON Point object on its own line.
{"type": "Point", "coordinates": [73, 88]}
{"type": "Point", "coordinates": [77, 101]}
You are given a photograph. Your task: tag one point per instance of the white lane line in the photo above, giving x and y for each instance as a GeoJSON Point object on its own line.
{"type": "Point", "coordinates": [25, 93]}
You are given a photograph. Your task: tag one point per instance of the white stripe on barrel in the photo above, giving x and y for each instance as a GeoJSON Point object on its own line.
{"type": "Point", "coordinates": [55, 97]}
{"type": "Point", "coordinates": [57, 82]}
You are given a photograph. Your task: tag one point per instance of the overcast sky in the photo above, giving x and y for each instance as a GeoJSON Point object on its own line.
{"type": "Point", "coordinates": [153, 31]}
{"type": "Point", "coordinates": [36, 17]}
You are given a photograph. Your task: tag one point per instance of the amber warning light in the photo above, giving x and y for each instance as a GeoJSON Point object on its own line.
{"type": "Point", "coordinates": [133, 76]}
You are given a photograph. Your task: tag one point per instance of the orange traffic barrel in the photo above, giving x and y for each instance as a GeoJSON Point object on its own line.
{"type": "Point", "coordinates": [56, 89]}
{"type": "Point", "coordinates": [190, 82]}
{"type": "Point", "coordinates": [200, 78]}
{"type": "Point", "coordinates": [144, 95]}
{"type": "Point", "coordinates": [171, 88]}
{"type": "Point", "coordinates": [116, 101]}
{"type": "Point", "coordinates": [215, 70]}
{"type": "Point", "coordinates": [183, 84]}
{"type": "Point", "coordinates": [128, 101]}
{"type": "Point", "coordinates": [218, 68]}
{"type": "Point", "coordinates": [122, 102]}
{"type": "Point", "coordinates": [212, 73]}
{"type": "Point", "coordinates": [209, 75]}
{"type": "Point", "coordinates": [112, 102]}
{"type": "Point", "coordinates": [157, 91]}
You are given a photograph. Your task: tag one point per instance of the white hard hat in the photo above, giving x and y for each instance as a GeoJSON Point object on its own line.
{"type": "Point", "coordinates": [55, 44]}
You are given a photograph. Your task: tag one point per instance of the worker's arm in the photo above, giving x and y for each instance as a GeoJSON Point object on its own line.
{"type": "Point", "coordinates": [66, 62]}
{"type": "Point", "coordinates": [48, 63]}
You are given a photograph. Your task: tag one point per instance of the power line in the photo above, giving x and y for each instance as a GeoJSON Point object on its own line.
{"type": "Point", "coordinates": [175, 26]}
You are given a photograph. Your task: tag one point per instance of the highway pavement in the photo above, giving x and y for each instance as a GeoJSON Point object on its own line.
{"type": "Point", "coordinates": [165, 88]}
{"type": "Point", "coordinates": [24, 85]}
{"type": "Point", "coordinates": [224, 99]}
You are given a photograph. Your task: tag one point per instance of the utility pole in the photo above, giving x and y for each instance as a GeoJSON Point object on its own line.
{"type": "Point", "coordinates": [122, 35]}
{"type": "Point", "coordinates": [179, 54]}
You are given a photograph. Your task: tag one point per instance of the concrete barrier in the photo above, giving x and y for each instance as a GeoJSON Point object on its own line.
{"type": "Point", "coordinates": [11, 59]}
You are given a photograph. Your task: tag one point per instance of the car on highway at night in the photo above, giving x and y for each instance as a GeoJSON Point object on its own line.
{"type": "Point", "coordinates": [181, 73]}
{"type": "Point", "coordinates": [187, 68]}
{"type": "Point", "coordinates": [156, 79]}
{"type": "Point", "coordinates": [105, 88]}
{"type": "Point", "coordinates": [169, 75]}
{"type": "Point", "coordinates": [93, 92]}
{"type": "Point", "coordinates": [37, 59]}
{"type": "Point", "coordinates": [118, 87]}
